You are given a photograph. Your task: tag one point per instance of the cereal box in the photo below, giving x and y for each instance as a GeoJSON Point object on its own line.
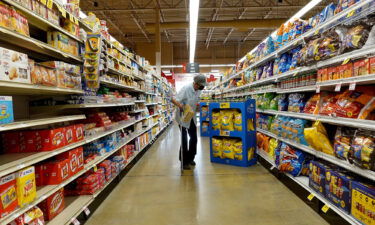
{"type": "Point", "coordinates": [6, 109]}
{"type": "Point", "coordinates": [26, 186]}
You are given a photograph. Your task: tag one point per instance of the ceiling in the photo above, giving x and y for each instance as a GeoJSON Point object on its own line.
{"type": "Point", "coordinates": [220, 21]}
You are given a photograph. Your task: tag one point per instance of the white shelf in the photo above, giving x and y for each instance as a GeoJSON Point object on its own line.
{"type": "Point", "coordinates": [31, 89]}
{"type": "Point", "coordinates": [115, 85]}
{"type": "Point", "coordinates": [304, 182]}
{"type": "Point", "coordinates": [364, 124]}
{"type": "Point", "coordinates": [117, 72]}
{"type": "Point", "coordinates": [149, 104]}
{"type": "Point", "coordinates": [342, 163]}
{"type": "Point", "coordinates": [140, 101]}
{"type": "Point", "coordinates": [37, 109]}
{"type": "Point", "coordinates": [39, 122]}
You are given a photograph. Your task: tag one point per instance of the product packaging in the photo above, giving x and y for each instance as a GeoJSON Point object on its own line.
{"type": "Point", "coordinates": [53, 205]}
{"type": "Point", "coordinates": [363, 202]}
{"type": "Point", "coordinates": [361, 67]}
{"type": "Point", "coordinates": [8, 194]}
{"type": "Point", "coordinates": [52, 139]}
{"type": "Point", "coordinates": [14, 66]}
{"type": "Point", "coordinates": [317, 178]}
{"type": "Point", "coordinates": [75, 158]}
{"type": "Point", "coordinates": [6, 110]}
{"type": "Point", "coordinates": [55, 172]}
{"type": "Point", "coordinates": [338, 189]}
{"type": "Point", "coordinates": [25, 186]}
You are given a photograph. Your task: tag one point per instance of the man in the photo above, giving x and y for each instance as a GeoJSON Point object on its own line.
{"type": "Point", "coordinates": [189, 94]}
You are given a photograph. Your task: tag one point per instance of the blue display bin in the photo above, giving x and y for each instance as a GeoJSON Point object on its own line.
{"type": "Point", "coordinates": [203, 117]}
{"type": "Point", "coordinates": [247, 135]}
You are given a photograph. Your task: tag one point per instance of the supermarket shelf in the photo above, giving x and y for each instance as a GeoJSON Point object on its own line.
{"type": "Point", "coordinates": [367, 79]}
{"type": "Point", "coordinates": [344, 164]}
{"type": "Point", "coordinates": [115, 85]}
{"type": "Point", "coordinates": [136, 77]}
{"type": "Point", "coordinates": [150, 104]}
{"type": "Point", "coordinates": [117, 72]}
{"type": "Point", "coordinates": [9, 88]}
{"type": "Point", "coordinates": [119, 61]}
{"type": "Point", "coordinates": [137, 111]}
{"type": "Point", "coordinates": [304, 182]}
{"type": "Point", "coordinates": [298, 89]}
{"type": "Point", "coordinates": [364, 124]}
{"type": "Point", "coordinates": [40, 22]}
{"type": "Point", "coordinates": [140, 101]}
{"type": "Point", "coordinates": [36, 46]}
{"type": "Point", "coordinates": [36, 109]}
{"type": "Point", "coordinates": [39, 122]}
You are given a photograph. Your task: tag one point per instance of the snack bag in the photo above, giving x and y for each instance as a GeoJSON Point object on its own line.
{"type": "Point", "coordinates": [217, 147]}
{"type": "Point", "coordinates": [290, 160]}
{"type": "Point", "coordinates": [227, 120]}
{"type": "Point", "coordinates": [356, 36]}
{"type": "Point", "coordinates": [272, 147]}
{"type": "Point", "coordinates": [350, 103]}
{"type": "Point", "coordinates": [282, 102]}
{"type": "Point", "coordinates": [216, 120]}
{"type": "Point", "coordinates": [279, 36]}
{"type": "Point", "coordinates": [362, 151]}
{"type": "Point", "coordinates": [26, 186]}
{"type": "Point", "coordinates": [368, 111]}
{"type": "Point", "coordinates": [228, 148]}
{"type": "Point", "coordinates": [328, 104]}
{"type": "Point", "coordinates": [318, 132]}
{"type": "Point", "coordinates": [312, 105]}
{"type": "Point", "coordinates": [343, 139]}
{"type": "Point", "coordinates": [237, 148]}
{"type": "Point", "coordinates": [237, 121]}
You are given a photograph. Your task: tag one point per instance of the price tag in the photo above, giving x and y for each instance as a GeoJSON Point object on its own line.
{"type": "Point", "coordinates": [352, 86]}
{"type": "Point", "coordinates": [295, 74]}
{"type": "Point", "coordinates": [350, 14]}
{"type": "Point", "coordinates": [75, 221]}
{"type": "Point", "coordinates": [71, 18]}
{"type": "Point", "coordinates": [338, 87]}
{"type": "Point", "coordinates": [49, 4]}
{"type": "Point", "coordinates": [316, 32]}
{"type": "Point", "coordinates": [63, 12]}
{"type": "Point", "coordinates": [272, 168]}
{"type": "Point", "coordinates": [44, 2]}
{"type": "Point", "coordinates": [86, 211]}
{"type": "Point", "coordinates": [95, 168]}
{"type": "Point", "coordinates": [224, 133]}
{"type": "Point", "coordinates": [346, 61]}
{"type": "Point", "coordinates": [318, 89]}
{"type": "Point", "coordinates": [325, 208]}
{"type": "Point", "coordinates": [76, 20]}
{"type": "Point", "coordinates": [310, 197]}
{"type": "Point", "coordinates": [225, 105]}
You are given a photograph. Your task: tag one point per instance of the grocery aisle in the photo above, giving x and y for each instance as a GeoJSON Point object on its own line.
{"type": "Point", "coordinates": [153, 192]}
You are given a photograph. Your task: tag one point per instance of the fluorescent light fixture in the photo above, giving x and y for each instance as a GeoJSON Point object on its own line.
{"type": "Point", "coordinates": [216, 65]}
{"type": "Point", "coordinates": [193, 24]}
{"type": "Point", "coordinates": [215, 71]}
{"type": "Point", "coordinates": [166, 71]}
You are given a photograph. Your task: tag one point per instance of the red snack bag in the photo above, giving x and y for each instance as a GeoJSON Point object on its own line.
{"type": "Point", "coordinates": [53, 205]}
{"type": "Point", "coordinates": [312, 105]}
{"type": "Point", "coordinates": [8, 194]}
{"type": "Point", "coordinates": [350, 103]}
{"type": "Point", "coordinates": [328, 104]}
{"type": "Point", "coordinates": [55, 172]}
{"type": "Point", "coordinates": [372, 65]}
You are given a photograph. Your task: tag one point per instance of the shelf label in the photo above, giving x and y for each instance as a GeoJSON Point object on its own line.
{"type": "Point", "coordinates": [310, 197]}
{"type": "Point", "coordinates": [71, 17]}
{"type": "Point", "coordinates": [75, 221]}
{"type": "Point", "coordinates": [87, 211]}
{"type": "Point", "coordinates": [63, 12]}
{"type": "Point", "coordinates": [325, 208]}
{"type": "Point", "coordinates": [225, 105]}
{"type": "Point", "coordinates": [50, 4]}
{"type": "Point", "coordinates": [346, 61]}
{"type": "Point", "coordinates": [44, 2]}
{"type": "Point", "coordinates": [224, 133]}
{"type": "Point", "coordinates": [76, 20]}
{"type": "Point", "coordinates": [350, 14]}
{"type": "Point", "coordinates": [316, 32]}
{"type": "Point", "coordinates": [317, 89]}
{"type": "Point", "coordinates": [95, 168]}
{"type": "Point", "coordinates": [338, 87]}
{"type": "Point", "coordinates": [352, 86]}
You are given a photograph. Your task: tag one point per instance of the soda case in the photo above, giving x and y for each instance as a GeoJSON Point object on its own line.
{"type": "Point", "coordinates": [8, 194]}
{"type": "Point", "coordinates": [338, 189]}
{"type": "Point", "coordinates": [363, 202]}
{"type": "Point", "coordinates": [26, 186]}
{"type": "Point", "coordinates": [317, 177]}
{"type": "Point", "coordinates": [75, 158]}
{"type": "Point", "coordinates": [6, 110]}
{"type": "Point", "coordinates": [53, 205]}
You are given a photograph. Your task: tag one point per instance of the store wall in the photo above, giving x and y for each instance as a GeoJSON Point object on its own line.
{"type": "Point", "coordinates": [147, 50]}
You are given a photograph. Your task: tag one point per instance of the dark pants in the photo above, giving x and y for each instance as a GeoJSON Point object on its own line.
{"type": "Point", "coordinates": [189, 153]}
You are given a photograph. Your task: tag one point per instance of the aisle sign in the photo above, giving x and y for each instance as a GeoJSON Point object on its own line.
{"type": "Point", "coordinates": [224, 105]}
{"type": "Point", "coordinates": [310, 197]}
{"type": "Point", "coordinates": [192, 68]}
{"type": "Point", "coordinates": [325, 208]}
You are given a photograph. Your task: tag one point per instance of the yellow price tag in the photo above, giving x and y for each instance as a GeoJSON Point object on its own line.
{"type": "Point", "coordinates": [49, 4]}
{"type": "Point", "coordinates": [76, 20]}
{"type": "Point", "coordinates": [346, 61]}
{"type": "Point", "coordinates": [310, 197]}
{"type": "Point", "coordinates": [224, 133]}
{"type": "Point", "coordinates": [71, 18]}
{"type": "Point", "coordinates": [316, 32]}
{"type": "Point", "coordinates": [325, 208]}
{"type": "Point", "coordinates": [225, 105]}
{"type": "Point", "coordinates": [95, 168]}
{"type": "Point", "coordinates": [44, 2]}
{"type": "Point", "coordinates": [63, 12]}
{"type": "Point", "coordinates": [351, 13]}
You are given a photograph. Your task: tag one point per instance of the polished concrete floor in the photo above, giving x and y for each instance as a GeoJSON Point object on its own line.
{"type": "Point", "coordinates": [155, 193]}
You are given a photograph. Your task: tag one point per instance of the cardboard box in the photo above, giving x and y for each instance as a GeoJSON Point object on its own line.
{"type": "Point", "coordinates": [8, 195]}
{"type": "Point", "coordinates": [363, 203]}
{"type": "Point", "coordinates": [79, 132]}
{"type": "Point", "coordinates": [317, 177]}
{"type": "Point", "coordinates": [55, 172]}
{"type": "Point", "coordinates": [53, 205]}
{"type": "Point", "coordinates": [14, 66]}
{"type": "Point", "coordinates": [26, 186]}
{"type": "Point", "coordinates": [338, 189]}
{"type": "Point", "coordinates": [69, 134]}
{"type": "Point", "coordinates": [361, 67]}
{"type": "Point", "coordinates": [332, 73]}
{"type": "Point", "coordinates": [322, 75]}
{"type": "Point", "coordinates": [39, 175]}
{"type": "Point", "coordinates": [13, 142]}
{"type": "Point", "coordinates": [52, 139]}
{"type": "Point", "coordinates": [372, 65]}
{"type": "Point", "coordinates": [345, 71]}
{"type": "Point", "coordinates": [75, 158]}
{"type": "Point", "coordinates": [6, 109]}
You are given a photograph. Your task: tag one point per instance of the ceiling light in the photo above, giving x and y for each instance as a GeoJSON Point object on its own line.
{"type": "Point", "coordinates": [193, 24]}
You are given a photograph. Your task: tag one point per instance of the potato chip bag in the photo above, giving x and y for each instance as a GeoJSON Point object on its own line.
{"type": "Point", "coordinates": [227, 122]}
{"type": "Point", "coordinates": [228, 148]}
{"type": "Point", "coordinates": [362, 151]}
{"type": "Point", "coordinates": [316, 137]}
{"type": "Point", "coordinates": [250, 153]}
{"type": "Point", "coordinates": [217, 147]}
{"type": "Point", "coordinates": [216, 120]}
{"type": "Point", "coordinates": [237, 121]}
{"type": "Point", "coordinates": [272, 146]}
{"type": "Point", "coordinates": [237, 148]}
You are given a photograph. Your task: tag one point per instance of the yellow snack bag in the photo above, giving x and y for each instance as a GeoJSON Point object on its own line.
{"type": "Point", "coordinates": [26, 187]}
{"type": "Point", "coordinates": [216, 120]}
{"type": "Point", "coordinates": [228, 149]}
{"type": "Point", "coordinates": [237, 121]}
{"type": "Point", "coordinates": [250, 125]}
{"type": "Point", "coordinates": [272, 146]}
{"type": "Point", "coordinates": [317, 138]}
{"type": "Point", "coordinates": [217, 147]}
{"type": "Point", "coordinates": [227, 120]}
{"type": "Point", "coordinates": [187, 114]}
{"type": "Point", "coordinates": [250, 153]}
{"type": "Point", "coordinates": [237, 148]}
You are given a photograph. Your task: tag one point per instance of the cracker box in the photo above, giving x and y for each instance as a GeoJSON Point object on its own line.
{"type": "Point", "coordinates": [33, 141]}
{"type": "Point", "coordinates": [75, 158]}
{"type": "Point", "coordinates": [8, 195]}
{"type": "Point", "coordinates": [69, 134]}
{"type": "Point", "coordinates": [6, 110]}
{"type": "Point", "coordinates": [363, 202]}
{"type": "Point", "coordinates": [55, 172]}
{"type": "Point", "coordinates": [26, 186]}
{"type": "Point", "coordinates": [372, 65]}
{"type": "Point", "coordinates": [52, 139]}
{"type": "Point", "coordinates": [39, 175]}
{"type": "Point", "coordinates": [317, 177]}
{"type": "Point", "coordinates": [14, 66]}
{"type": "Point", "coordinates": [78, 132]}
{"type": "Point", "coordinates": [13, 142]}
{"type": "Point", "coordinates": [53, 205]}
{"type": "Point", "coordinates": [361, 67]}
{"type": "Point", "coordinates": [338, 189]}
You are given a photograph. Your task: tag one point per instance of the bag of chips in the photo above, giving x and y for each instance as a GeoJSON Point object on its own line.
{"type": "Point", "coordinates": [217, 147]}
{"type": "Point", "coordinates": [272, 147]}
{"type": "Point", "coordinates": [290, 160]}
{"type": "Point", "coordinates": [312, 105]}
{"type": "Point", "coordinates": [350, 103]}
{"type": "Point", "coordinates": [228, 148]}
{"type": "Point", "coordinates": [368, 111]}
{"type": "Point", "coordinates": [237, 148]}
{"type": "Point", "coordinates": [227, 122]}
{"type": "Point", "coordinates": [362, 151]}
{"type": "Point", "coordinates": [318, 132]}
{"type": "Point", "coordinates": [237, 120]}
{"type": "Point", "coordinates": [356, 36]}
{"type": "Point", "coordinates": [328, 103]}
{"type": "Point", "coordinates": [343, 139]}
{"type": "Point", "coordinates": [216, 120]}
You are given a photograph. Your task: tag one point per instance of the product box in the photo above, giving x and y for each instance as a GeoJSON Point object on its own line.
{"type": "Point", "coordinates": [6, 109]}
{"type": "Point", "coordinates": [39, 175]}
{"type": "Point", "coordinates": [26, 186]}
{"type": "Point", "coordinates": [53, 205]}
{"type": "Point", "coordinates": [55, 172]}
{"type": "Point", "coordinates": [52, 139]}
{"type": "Point", "coordinates": [372, 65]}
{"type": "Point", "coordinates": [33, 141]}
{"type": "Point", "coordinates": [78, 132]}
{"type": "Point", "coordinates": [338, 189]}
{"type": "Point", "coordinates": [8, 195]}
{"type": "Point", "coordinates": [75, 158]}
{"type": "Point", "coordinates": [14, 66]}
{"type": "Point", "coordinates": [322, 75]}
{"type": "Point", "coordinates": [317, 177]}
{"type": "Point", "coordinates": [345, 71]}
{"type": "Point", "coordinates": [13, 142]}
{"type": "Point", "coordinates": [361, 67]}
{"type": "Point", "coordinates": [69, 134]}
{"type": "Point", "coordinates": [363, 203]}
{"type": "Point", "coordinates": [332, 73]}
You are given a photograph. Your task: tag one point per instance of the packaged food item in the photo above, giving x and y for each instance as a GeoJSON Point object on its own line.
{"type": "Point", "coordinates": [26, 186]}
{"type": "Point", "coordinates": [328, 104]}
{"type": "Point", "coordinates": [14, 66]}
{"type": "Point", "coordinates": [368, 111]}
{"type": "Point", "coordinates": [338, 189]}
{"type": "Point", "coordinates": [237, 148]}
{"type": "Point", "coordinates": [363, 202]}
{"type": "Point", "coordinates": [356, 36]}
{"type": "Point", "coordinates": [8, 195]}
{"type": "Point", "coordinates": [372, 65]}
{"type": "Point", "coordinates": [19, 23]}
{"type": "Point", "coordinates": [34, 216]}
{"type": "Point", "coordinates": [362, 151]}
{"type": "Point", "coordinates": [75, 158]}
{"type": "Point", "coordinates": [283, 102]}
{"type": "Point", "coordinates": [343, 140]}
{"type": "Point", "coordinates": [53, 205]}
{"type": "Point", "coordinates": [237, 121]}
{"type": "Point", "coordinates": [312, 105]}
{"type": "Point", "coordinates": [227, 122]}
{"type": "Point", "coordinates": [62, 42]}
{"type": "Point", "coordinates": [289, 160]}
{"type": "Point", "coordinates": [350, 103]}
{"type": "Point", "coordinates": [216, 120]}
{"type": "Point", "coordinates": [55, 172]}
{"type": "Point", "coordinates": [322, 75]}
{"type": "Point", "coordinates": [345, 71]}
{"type": "Point", "coordinates": [217, 146]}
{"type": "Point", "coordinates": [205, 126]}
{"type": "Point", "coordinates": [317, 178]}
{"type": "Point", "coordinates": [51, 139]}
{"type": "Point", "coordinates": [361, 67]}
{"type": "Point", "coordinates": [6, 110]}
{"type": "Point", "coordinates": [228, 148]}
{"type": "Point", "coordinates": [272, 147]}
{"type": "Point", "coordinates": [296, 102]}
{"type": "Point", "coordinates": [318, 132]}
{"type": "Point", "coordinates": [332, 73]}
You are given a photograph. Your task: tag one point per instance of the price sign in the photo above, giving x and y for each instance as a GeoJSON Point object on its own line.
{"type": "Point", "coordinates": [352, 86]}
{"type": "Point", "coordinates": [49, 4]}
{"type": "Point", "coordinates": [310, 197]}
{"type": "Point", "coordinates": [224, 133]}
{"type": "Point", "coordinates": [44, 2]}
{"type": "Point", "coordinates": [351, 13]}
{"type": "Point", "coordinates": [325, 208]}
{"type": "Point", "coordinates": [225, 105]}
{"type": "Point", "coordinates": [86, 211]}
{"type": "Point", "coordinates": [318, 89]}
{"type": "Point", "coordinates": [346, 61]}
{"type": "Point", "coordinates": [75, 221]}
{"type": "Point", "coordinates": [338, 87]}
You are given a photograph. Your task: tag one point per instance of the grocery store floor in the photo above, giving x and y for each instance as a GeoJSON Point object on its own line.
{"type": "Point", "coordinates": [155, 193]}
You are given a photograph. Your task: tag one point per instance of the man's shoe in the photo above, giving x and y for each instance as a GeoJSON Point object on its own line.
{"type": "Point", "coordinates": [192, 163]}
{"type": "Point", "coordinates": [186, 167]}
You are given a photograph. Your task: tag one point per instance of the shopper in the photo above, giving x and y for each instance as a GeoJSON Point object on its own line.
{"type": "Point", "coordinates": [189, 94]}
